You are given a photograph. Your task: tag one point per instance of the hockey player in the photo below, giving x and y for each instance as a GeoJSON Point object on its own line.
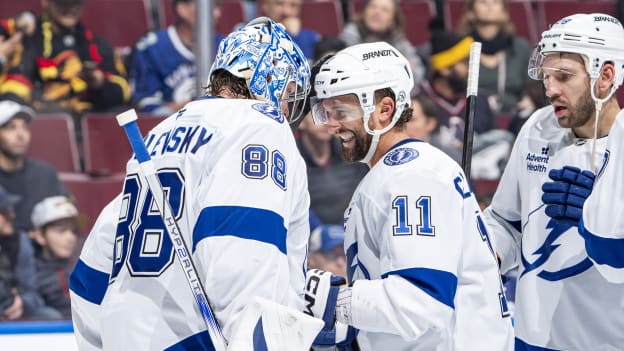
{"type": "Point", "coordinates": [562, 301]}
{"type": "Point", "coordinates": [422, 272]}
{"type": "Point", "coordinates": [238, 188]}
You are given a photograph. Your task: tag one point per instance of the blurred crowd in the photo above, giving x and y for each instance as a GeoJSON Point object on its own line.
{"type": "Point", "coordinates": [53, 62]}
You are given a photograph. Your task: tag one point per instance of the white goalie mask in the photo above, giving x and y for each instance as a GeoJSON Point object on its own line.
{"type": "Point", "coordinates": [361, 70]}
{"type": "Point", "coordinates": [597, 37]}
{"type": "Point", "coordinates": [268, 59]}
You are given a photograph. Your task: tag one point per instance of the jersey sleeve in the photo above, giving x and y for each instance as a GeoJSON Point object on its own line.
{"type": "Point", "coordinates": [89, 280]}
{"type": "Point", "coordinates": [419, 236]}
{"type": "Point", "coordinates": [250, 236]}
{"type": "Point", "coordinates": [602, 226]}
{"type": "Point", "coordinates": [503, 216]}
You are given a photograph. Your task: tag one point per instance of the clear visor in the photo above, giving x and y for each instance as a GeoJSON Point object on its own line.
{"type": "Point", "coordinates": [535, 64]}
{"type": "Point", "coordinates": [336, 109]}
{"type": "Point", "coordinates": [293, 99]}
{"type": "Point", "coordinates": [545, 71]}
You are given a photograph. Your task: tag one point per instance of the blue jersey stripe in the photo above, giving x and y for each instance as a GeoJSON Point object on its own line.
{"type": "Point", "coordinates": [242, 222]}
{"type": "Point", "coordinates": [603, 250]}
{"type": "Point", "coordinates": [88, 283]}
{"type": "Point", "coordinates": [196, 342]}
{"type": "Point", "coordinates": [523, 346]}
{"type": "Point", "coordinates": [440, 285]}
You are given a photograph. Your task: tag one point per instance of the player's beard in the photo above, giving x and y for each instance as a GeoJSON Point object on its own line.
{"type": "Point", "coordinates": [580, 113]}
{"type": "Point", "coordinates": [362, 142]}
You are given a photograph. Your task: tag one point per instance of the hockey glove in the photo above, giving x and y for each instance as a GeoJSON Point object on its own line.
{"type": "Point", "coordinates": [322, 294]}
{"type": "Point", "coordinates": [564, 198]}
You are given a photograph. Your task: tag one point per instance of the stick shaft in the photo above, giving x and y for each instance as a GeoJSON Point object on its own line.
{"type": "Point", "coordinates": [471, 103]}
{"type": "Point", "coordinates": [128, 121]}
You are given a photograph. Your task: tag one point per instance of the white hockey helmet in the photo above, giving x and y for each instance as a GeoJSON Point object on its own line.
{"type": "Point", "coordinates": [361, 70]}
{"type": "Point", "coordinates": [597, 37]}
{"type": "Point", "coordinates": [268, 59]}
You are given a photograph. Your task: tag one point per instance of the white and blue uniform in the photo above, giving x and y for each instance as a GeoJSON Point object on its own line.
{"type": "Point", "coordinates": [423, 271]}
{"type": "Point", "coordinates": [602, 225]}
{"type": "Point", "coordinates": [163, 71]}
{"type": "Point", "coordinates": [237, 183]}
{"type": "Point", "coordinates": [562, 301]}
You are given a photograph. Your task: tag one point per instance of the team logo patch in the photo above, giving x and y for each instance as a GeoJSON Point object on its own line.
{"type": "Point", "coordinates": [400, 156]}
{"type": "Point", "coordinates": [269, 111]}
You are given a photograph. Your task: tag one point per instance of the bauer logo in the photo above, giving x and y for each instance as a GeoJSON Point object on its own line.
{"type": "Point", "coordinates": [400, 156]}
{"type": "Point", "coordinates": [378, 53]}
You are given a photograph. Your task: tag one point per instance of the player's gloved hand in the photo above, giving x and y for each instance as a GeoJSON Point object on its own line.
{"type": "Point", "coordinates": [325, 298]}
{"type": "Point", "coordinates": [564, 198]}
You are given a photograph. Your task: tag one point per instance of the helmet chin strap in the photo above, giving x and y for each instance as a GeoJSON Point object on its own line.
{"type": "Point", "coordinates": [377, 133]}
{"type": "Point", "coordinates": [598, 103]}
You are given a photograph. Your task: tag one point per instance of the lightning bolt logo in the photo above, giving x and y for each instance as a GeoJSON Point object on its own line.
{"type": "Point", "coordinates": [547, 249]}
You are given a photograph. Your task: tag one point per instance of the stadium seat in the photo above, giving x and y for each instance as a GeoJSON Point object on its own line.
{"type": "Point", "coordinates": [54, 140]}
{"type": "Point", "coordinates": [120, 22]}
{"type": "Point", "coordinates": [417, 16]}
{"type": "Point", "coordinates": [322, 16]}
{"type": "Point", "coordinates": [553, 10]}
{"type": "Point", "coordinates": [10, 8]}
{"type": "Point", "coordinates": [232, 14]}
{"type": "Point", "coordinates": [520, 11]}
{"type": "Point", "coordinates": [105, 147]}
{"type": "Point", "coordinates": [91, 195]}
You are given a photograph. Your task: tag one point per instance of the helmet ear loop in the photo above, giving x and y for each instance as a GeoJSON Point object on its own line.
{"type": "Point", "coordinates": [598, 102]}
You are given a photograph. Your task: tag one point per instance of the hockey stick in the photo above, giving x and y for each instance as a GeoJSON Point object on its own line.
{"type": "Point", "coordinates": [471, 103]}
{"type": "Point", "coordinates": [127, 120]}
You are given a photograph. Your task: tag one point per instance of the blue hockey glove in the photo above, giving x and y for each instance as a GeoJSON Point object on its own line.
{"type": "Point", "coordinates": [564, 198]}
{"type": "Point", "coordinates": [322, 294]}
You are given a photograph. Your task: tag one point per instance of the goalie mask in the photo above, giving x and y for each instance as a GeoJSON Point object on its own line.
{"type": "Point", "coordinates": [272, 65]}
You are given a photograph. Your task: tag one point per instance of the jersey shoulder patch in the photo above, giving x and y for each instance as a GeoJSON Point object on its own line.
{"type": "Point", "coordinates": [400, 156]}
{"type": "Point", "coordinates": [269, 111]}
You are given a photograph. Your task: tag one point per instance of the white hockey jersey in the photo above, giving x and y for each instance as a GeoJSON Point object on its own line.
{"type": "Point", "coordinates": [423, 270]}
{"type": "Point", "coordinates": [237, 183]}
{"type": "Point", "coordinates": [602, 225]}
{"type": "Point", "coordinates": [562, 301]}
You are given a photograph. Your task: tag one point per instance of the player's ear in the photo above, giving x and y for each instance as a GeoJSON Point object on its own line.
{"type": "Point", "coordinates": [387, 107]}
{"type": "Point", "coordinates": [606, 80]}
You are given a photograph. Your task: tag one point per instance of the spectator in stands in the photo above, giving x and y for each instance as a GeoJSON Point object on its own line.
{"type": "Point", "coordinates": [162, 73]}
{"type": "Point", "coordinates": [449, 67]}
{"type": "Point", "coordinates": [57, 237]}
{"type": "Point", "coordinates": [327, 249]}
{"type": "Point", "coordinates": [15, 28]}
{"type": "Point", "coordinates": [31, 179]}
{"type": "Point", "coordinates": [534, 99]}
{"type": "Point", "coordinates": [328, 45]}
{"type": "Point", "coordinates": [504, 56]}
{"type": "Point", "coordinates": [331, 180]}
{"type": "Point", "coordinates": [18, 292]}
{"type": "Point", "coordinates": [424, 124]}
{"type": "Point", "coordinates": [64, 66]}
{"type": "Point", "coordinates": [288, 13]}
{"type": "Point", "coordinates": [382, 20]}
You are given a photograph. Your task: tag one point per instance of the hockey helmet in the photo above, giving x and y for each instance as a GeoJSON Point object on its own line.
{"type": "Point", "coordinates": [597, 37]}
{"type": "Point", "coordinates": [268, 59]}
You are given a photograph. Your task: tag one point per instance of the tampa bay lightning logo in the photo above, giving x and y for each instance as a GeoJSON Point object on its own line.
{"type": "Point", "coordinates": [269, 111]}
{"type": "Point", "coordinates": [546, 250]}
{"type": "Point", "coordinates": [400, 156]}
